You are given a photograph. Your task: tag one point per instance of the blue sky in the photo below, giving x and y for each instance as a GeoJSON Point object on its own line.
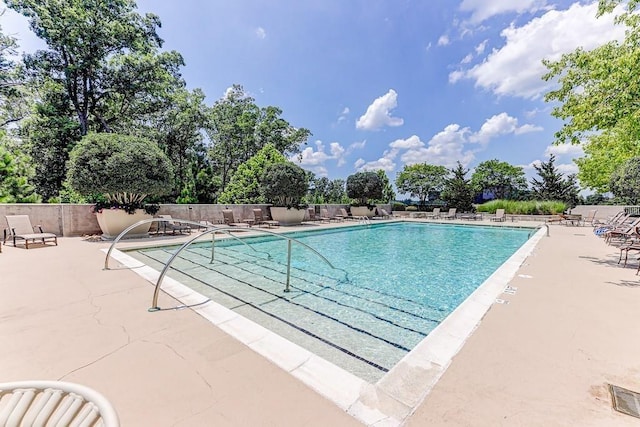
{"type": "Point", "coordinates": [384, 84]}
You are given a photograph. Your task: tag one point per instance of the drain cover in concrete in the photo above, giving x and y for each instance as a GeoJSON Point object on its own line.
{"type": "Point", "coordinates": [625, 401]}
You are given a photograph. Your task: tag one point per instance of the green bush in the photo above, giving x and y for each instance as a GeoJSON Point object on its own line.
{"type": "Point", "coordinates": [412, 208]}
{"type": "Point", "coordinates": [528, 207]}
{"type": "Point", "coordinates": [364, 186]}
{"type": "Point", "coordinates": [284, 184]}
{"type": "Point", "coordinates": [123, 169]}
{"type": "Point", "coordinates": [397, 206]}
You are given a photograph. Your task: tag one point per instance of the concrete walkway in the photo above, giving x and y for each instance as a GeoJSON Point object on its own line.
{"type": "Point", "coordinates": [544, 359]}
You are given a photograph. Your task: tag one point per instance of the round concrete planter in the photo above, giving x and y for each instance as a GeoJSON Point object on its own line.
{"type": "Point", "coordinates": [113, 222]}
{"type": "Point", "coordinates": [362, 211]}
{"type": "Point", "coordinates": [287, 216]}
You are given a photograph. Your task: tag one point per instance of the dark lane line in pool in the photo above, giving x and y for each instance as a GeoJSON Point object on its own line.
{"type": "Point", "coordinates": [422, 333]}
{"type": "Point", "coordinates": [342, 291]}
{"type": "Point", "coordinates": [370, 289]}
{"type": "Point", "coordinates": [360, 330]}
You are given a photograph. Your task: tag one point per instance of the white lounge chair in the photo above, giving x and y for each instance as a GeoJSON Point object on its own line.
{"type": "Point", "coordinates": [451, 214]}
{"type": "Point", "coordinates": [20, 228]}
{"type": "Point", "coordinates": [172, 226]}
{"type": "Point", "coordinates": [499, 216]}
{"type": "Point", "coordinates": [49, 403]}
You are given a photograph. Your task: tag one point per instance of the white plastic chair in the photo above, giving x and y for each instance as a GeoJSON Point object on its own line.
{"type": "Point", "coordinates": [54, 403]}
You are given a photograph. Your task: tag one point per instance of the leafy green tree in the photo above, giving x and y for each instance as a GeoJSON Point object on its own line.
{"type": "Point", "coordinates": [597, 100]}
{"type": "Point", "coordinates": [325, 190]}
{"type": "Point", "coordinates": [422, 180]}
{"type": "Point", "coordinates": [501, 179]}
{"type": "Point", "coordinates": [364, 186]}
{"type": "Point", "coordinates": [458, 191]}
{"type": "Point", "coordinates": [14, 93]}
{"type": "Point", "coordinates": [553, 185]}
{"type": "Point", "coordinates": [105, 55]}
{"type": "Point", "coordinates": [238, 129]}
{"type": "Point", "coordinates": [625, 182]}
{"type": "Point", "coordinates": [15, 172]}
{"type": "Point", "coordinates": [50, 134]}
{"type": "Point", "coordinates": [388, 195]}
{"type": "Point", "coordinates": [244, 186]}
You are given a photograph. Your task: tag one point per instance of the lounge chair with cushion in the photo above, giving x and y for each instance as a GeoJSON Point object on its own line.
{"type": "Point", "coordinates": [451, 214]}
{"type": "Point", "coordinates": [227, 215]}
{"type": "Point", "coordinates": [20, 228]}
{"type": "Point", "coordinates": [344, 214]}
{"type": "Point", "coordinates": [499, 216]}
{"type": "Point", "coordinates": [324, 216]}
{"type": "Point", "coordinates": [48, 403]}
{"type": "Point", "coordinates": [172, 226]}
{"type": "Point", "coordinates": [258, 219]}
{"type": "Point", "coordinates": [435, 214]}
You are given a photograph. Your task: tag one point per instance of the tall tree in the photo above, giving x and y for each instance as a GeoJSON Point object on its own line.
{"type": "Point", "coordinates": [104, 54]}
{"type": "Point", "coordinates": [597, 98]}
{"type": "Point", "coordinates": [238, 129]}
{"type": "Point", "coordinates": [553, 185]}
{"type": "Point", "coordinates": [422, 180]}
{"type": "Point", "coordinates": [388, 195]}
{"type": "Point", "coordinates": [501, 179]}
{"type": "Point", "coordinates": [625, 182]}
{"type": "Point", "coordinates": [458, 191]}
{"type": "Point", "coordinates": [14, 93]}
{"type": "Point", "coordinates": [15, 172]}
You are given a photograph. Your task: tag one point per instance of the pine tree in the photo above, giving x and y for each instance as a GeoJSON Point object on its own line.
{"type": "Point", "coordinates": [458, 191]}
{"type": "Point", "coordinates": [552, 185]}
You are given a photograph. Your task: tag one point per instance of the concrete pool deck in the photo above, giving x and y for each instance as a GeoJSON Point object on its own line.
{"type": "Point", "coordinates": [543, 359]}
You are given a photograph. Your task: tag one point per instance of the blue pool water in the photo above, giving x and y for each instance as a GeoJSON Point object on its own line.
{"type": "Point", "coordinates": [392, 284]}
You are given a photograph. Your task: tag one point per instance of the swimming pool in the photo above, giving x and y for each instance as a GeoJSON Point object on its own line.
{"type": "Point", "coordinates": [392, 285]}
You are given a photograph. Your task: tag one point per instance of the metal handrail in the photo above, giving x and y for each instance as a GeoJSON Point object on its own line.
{"type": "Point", "coordinates": [146, 221]}
{"type": "Point", "coordinates": [214, 229]}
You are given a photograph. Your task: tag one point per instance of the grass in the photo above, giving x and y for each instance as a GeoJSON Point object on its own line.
{"type": "Point", "coordinates": [528, 207]}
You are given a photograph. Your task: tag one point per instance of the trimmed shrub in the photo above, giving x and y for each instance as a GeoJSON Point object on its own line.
{"type": "Point", "coordinates": [528, 207]}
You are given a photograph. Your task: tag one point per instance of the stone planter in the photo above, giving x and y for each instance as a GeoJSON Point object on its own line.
{"type": "Point", "coordinates": [113, 222]}
{"type": "Point", "coordinates": [362, 211]}
{"type": "Point", "coordinates": [287, 216]}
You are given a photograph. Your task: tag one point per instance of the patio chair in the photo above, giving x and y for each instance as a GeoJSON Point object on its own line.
{"type": "Point", "coordinates": [435, 214]}
{"type": "Point", "coordinates": [499, 216]}
{"type": "Point", "coordinates": [324, 216]}
{"type": "Point", "coordinates": [169, 225]}
{"type": "Point", "coordinates": [383, 213]}
{"type": "Point", "coordinates": [258, 219]}
{"type": "Point", "coordinates": [20, 228]}
{"type": "Point", "coordinates": [590, 217]}
{"type": "Point", "coordinates": [451, 214]}
{"type": "Point", "coordinates": [227, 215]}
{"type": "Point", "coordinates": [311, 212]}
{"type": "Point", "coordinates": [344, 214]}
{"type": "Point", "coordinates": [40, 403]}
{"type": "Point", "coordinates": [621, 233]}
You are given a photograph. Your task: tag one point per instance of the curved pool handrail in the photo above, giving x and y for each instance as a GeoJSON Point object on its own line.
{"type": "Point", "coordinates": [210, 228]}
{"type": "Point", "coordinates": [145, 221]}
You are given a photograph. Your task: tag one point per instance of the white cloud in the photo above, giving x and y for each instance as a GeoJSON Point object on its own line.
{"type": "Point", "coordinates": [386, 162]}
{"type": "Point", "coordinates": [481, 47]}
{"type": "Point", "coordinates": [564, 149]}
{"type": "Point", "coordinates": [516, 68]}
{"type": "Point", "coordinates": [412, 142]}
{"type": "Point", "coordinates": [500, 124]}
{"type": "Point", "coordinates": [567, 168]}
{"type": "Point", "coordinates": [445, 148]}
{"type": "Point", "coordinates": [484, 9]}
{"type": "Point", "coordinates": [378, 114]}
{"type": "Point", "coordinates": [359, 163]}
{"type": "Point", "coordinates": [343, 115]}
{"type": "Point", "coordinates": [467, 59]}
{"type": "Point", "coordinates": [443, 40]}
{"type": "Point", "coordinates": [310, 157]}
{"type": "Point", "coordinates": [454, 76]}
{"type": "Point", "coordinates": [356, 146]}
{"type": "Point", "coordinates": [261, 33]}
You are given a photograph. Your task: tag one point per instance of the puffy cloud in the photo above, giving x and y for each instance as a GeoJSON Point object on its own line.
{"type": "Point", "coordinates": [467, 59]}
{"type": "Point", "coordinates": [443, 40]}
{"type": "Point", "coordinates": [564, 149]}
{"type": "Point", "coordinates": [445, 148]}
{"type": "Point", "coordinates": [378, 114]}
{"type": "Point", "coordinates": [386, 162]}
{"type": "Point", "coordinates": [516, 68]}
{"type": "Point", "coordinates": [343, 115]}
{"type": "Point", "coordinates": [314, 159]}
{"type": "Point", "coordinates": [484, 9]}
{"type": "Point", "coordinates": [501, 124]}
{"type": "Point", "coordinates": [261, 33]}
